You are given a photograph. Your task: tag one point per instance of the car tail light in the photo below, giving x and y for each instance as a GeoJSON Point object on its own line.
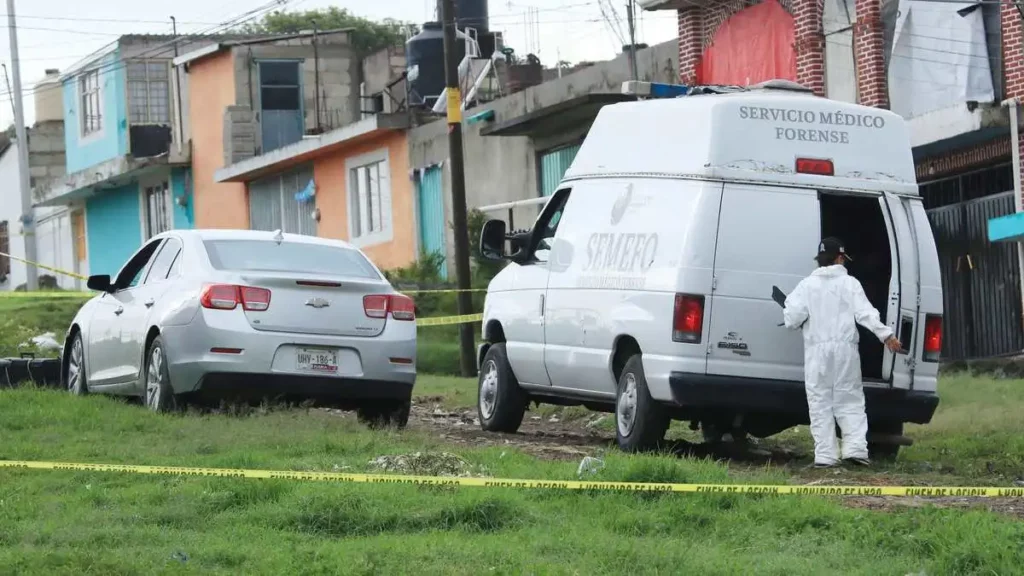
{"type": "Point", "coordinates": [380, 305]}
{"type": "Point", "coordinates": [688, 318]}
{"type": "Point", "coordinates": [815, 166]}
{"type": "Point", "coordinates": [932, 338]}
{"type": "Point", "coordinates": [229, 296]}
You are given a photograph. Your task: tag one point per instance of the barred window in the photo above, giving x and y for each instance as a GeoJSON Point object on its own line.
{"type": "Point", "coordinates": [149, 92]}
{"type": "Point", "coordinates": [91, 112]}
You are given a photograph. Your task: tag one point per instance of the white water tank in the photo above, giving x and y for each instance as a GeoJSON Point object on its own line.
{"type": "Point", "coordinates": [49, 97]}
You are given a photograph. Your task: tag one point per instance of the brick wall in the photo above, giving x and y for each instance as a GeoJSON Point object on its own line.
{"type": "Point", "coordinates": [691, 39]}
{"type": "Point", "coordinates": [809, 40]}
{"type": "Point", "coordinates": [963, 159]}
{"type": "Point", "coordinates": [872, 86]}
{"type": "Point", "coordinates": [1012, 25]}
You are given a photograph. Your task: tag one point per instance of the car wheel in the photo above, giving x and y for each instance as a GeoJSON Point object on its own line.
{"type": "Point", "coordinates": [884, 452]}
{"type": "Point", "coordinates": [74, 372]}
{"type": "Point", "coordinates": [158, 394]}
{"type": "Point", "coordinates": [501, 403]}
{"type": "Point", "coordinates": [384, 414]}
{"type": "Point", "coordinates": [640, 422]}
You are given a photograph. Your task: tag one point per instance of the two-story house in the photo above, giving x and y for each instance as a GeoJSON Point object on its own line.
{"type": "Point", "coordinates": [127, 152]}
{"type": "Point", "coordinates": [301, 133]}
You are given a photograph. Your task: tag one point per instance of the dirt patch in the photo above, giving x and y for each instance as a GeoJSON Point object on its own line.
{"type": "Point", "coordinates": [1009, 506]}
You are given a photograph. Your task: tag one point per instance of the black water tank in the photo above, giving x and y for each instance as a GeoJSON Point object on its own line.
{"type": "Point", "coordinates": [426, 51]}
{"type": "Point", "coordinates": [472, 14]}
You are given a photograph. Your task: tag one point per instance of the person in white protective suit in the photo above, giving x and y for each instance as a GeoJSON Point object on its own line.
{"type": "Point", "coordinates": [827, 306]}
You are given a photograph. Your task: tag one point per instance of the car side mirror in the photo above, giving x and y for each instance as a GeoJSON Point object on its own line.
{"type": "Point", "coordinates": [100, 283]}
{"type": "Point", "coordinates": [492, 240]}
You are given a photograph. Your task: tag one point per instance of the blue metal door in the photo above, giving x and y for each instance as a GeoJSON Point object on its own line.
{"type": "Point", "coordinates": [430, 200]}
{"type": "Point", "coordinates": [553, 165]}
{"type": "Point", "coordinates": [281, 121]}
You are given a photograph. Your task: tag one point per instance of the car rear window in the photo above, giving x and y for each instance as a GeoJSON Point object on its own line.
{"type": "Point", "coordinates": [269, 256]}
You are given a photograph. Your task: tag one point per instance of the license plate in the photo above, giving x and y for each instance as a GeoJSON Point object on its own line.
{"type": "Point", "coordinates": [317, 360]}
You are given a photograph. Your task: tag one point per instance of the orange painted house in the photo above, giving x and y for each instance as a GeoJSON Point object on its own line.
{"type": "Point", "coordinates": [261, 157]}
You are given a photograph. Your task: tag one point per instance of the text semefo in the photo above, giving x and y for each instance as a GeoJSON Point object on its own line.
{"type": "Point", "coordinates": [823, 132]}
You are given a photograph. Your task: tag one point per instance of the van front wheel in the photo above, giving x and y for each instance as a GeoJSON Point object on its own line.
{"type": "Point", "coordinates": [501, 403]}
{"type": "Point", "coordinates": [640, 422]}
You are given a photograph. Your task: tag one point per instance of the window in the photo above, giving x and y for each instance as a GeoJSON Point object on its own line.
{"type": "Point", "coordinates": [5, 247]}
{"type": "Point", "coordinates": [279, 86]}
{"type": "Point", "coordinates": [91, 112]}
{"type": "Point", "coordinates": [158, 214]}
{"type": "Point", "coordinates": [163, 262]}
{"type": "Point", "coordinates": [369, 197]}
{"type": "Point", "coordinates": [149, 93]}
{"type": "Point", "coordinates": [131, 274]}
{"type": "Point", "coordinates": [549, 225]}
{"type": "Point", "coordinates": [285, 201]}
{"type": "Point", "coordinates": [291, 257]}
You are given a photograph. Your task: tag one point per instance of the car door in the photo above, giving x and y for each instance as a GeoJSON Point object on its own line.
{"type": "Point", "coordinates": [524, 328]}
{"type": "Point", "coordinates": [137, 319]}
{"type": "Point", "coordinates": [122, 312]}
{"type": "Point", "coordinates": [766, 238]}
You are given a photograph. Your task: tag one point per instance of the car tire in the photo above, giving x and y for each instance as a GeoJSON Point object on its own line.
{"type": "Point", "coordinates": [884, 452]}
{"type": "Point", "coordinates": [640, 422]}
{"type": "Point", "coordinates": [378, 415]}
{"type": "Point", "coordinates": [157, 393]}
{"type": "Point", "coordinates": [501, 403]}
{"type": "Point", "coordinates": [73, 374]}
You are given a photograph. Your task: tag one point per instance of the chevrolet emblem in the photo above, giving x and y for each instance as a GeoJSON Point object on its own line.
{"type": "Point", "coordinates": [318, 303]}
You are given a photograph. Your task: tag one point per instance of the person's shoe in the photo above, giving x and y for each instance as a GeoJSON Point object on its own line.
{"type": "Point", "coordinates": [863, 462]}
{"type": "Point", "coordinates": [824, 465]}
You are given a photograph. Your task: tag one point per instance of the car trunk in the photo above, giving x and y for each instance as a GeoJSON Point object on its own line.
{"type": "Point", "coordinates": [315, 304]}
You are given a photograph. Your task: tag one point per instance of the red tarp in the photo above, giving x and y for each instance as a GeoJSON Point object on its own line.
{"type": "Point", "coordinates": [754, 45]}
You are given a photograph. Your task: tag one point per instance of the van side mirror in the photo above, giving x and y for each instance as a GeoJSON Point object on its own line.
{"type": "Point", "coordinates": [492, 240]}
{"type": "Point", "coordinates": [100, 283]}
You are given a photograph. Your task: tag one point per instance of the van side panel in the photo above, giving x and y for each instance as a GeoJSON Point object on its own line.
{"type": "Point", "coordinates": [767, 237]}
{"type": "Point", "coordinates": [926, 374]}
{"type": "Point", "coordinates": [622, 251]}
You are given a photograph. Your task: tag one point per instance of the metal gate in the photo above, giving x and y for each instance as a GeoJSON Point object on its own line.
{"type": "Point", "coordinates": [980, 280]}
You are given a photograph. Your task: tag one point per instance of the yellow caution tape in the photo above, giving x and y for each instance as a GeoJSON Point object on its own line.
{"type": "Point", "coordinates": [790, 490]}
{"type": "Point", "coordinates": [44, 294]}
{"type": "Point", "coordinates": [45, 267]}
{"type": "Point", "coordinates": [443, 291]}
{"type": "Point", "coordinates": [449, 320]}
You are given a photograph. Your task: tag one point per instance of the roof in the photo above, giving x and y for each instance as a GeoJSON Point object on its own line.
{"type": "Point", "coordinates": [212, 49]}
{"type": "Point", "coordinates": [753, 136]}
{"type": "Point", "coordinates": [309, 148]}
{"type": "Point", "coordinates": [555, 118]}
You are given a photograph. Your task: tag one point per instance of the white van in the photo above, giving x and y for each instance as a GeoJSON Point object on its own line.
{"type": "Point", "coordinates": [646, 284]}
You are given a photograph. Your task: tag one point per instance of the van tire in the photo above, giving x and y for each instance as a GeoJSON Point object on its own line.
{"type": "Point", "coordinates": [501, 403]}
{"type": "Point", "coordinates": [884, 452]}
{"type": "Point", "coordinates": [645, 428]}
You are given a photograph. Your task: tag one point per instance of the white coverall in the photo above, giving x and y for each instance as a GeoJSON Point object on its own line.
{"type": "Point", "coordinates": [832, 302]}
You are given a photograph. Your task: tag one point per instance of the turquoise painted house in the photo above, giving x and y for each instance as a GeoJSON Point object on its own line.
{"type": "Point", "coordinates": [127, 155]}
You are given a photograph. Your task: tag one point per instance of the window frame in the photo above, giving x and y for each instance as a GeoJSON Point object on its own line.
{"type": "Point", "coordinates": [147, 81]}
{"type": "Point", "coordinates": [559, 200]}
{"type": "Point", "coordinates": [152, 246]}
{"type": "Point", "coordinates": [90, 95]}
{"type": "Point", "coordinates": [145, 189]}
{"type": "Point", "coordinates": [169, 243]}
{"type": "Point", "coordinates": [353, 190]}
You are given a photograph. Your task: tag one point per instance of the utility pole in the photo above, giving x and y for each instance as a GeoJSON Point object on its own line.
{"type": "Point", "coordinates": [632, 39]}
{"type": "Point", "coordinates": [459, 218]}
{"type": "Point", "coordinates": [28, 225]}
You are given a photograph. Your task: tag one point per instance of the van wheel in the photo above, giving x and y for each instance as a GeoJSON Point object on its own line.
{"type": "Point", "coordinates": [880, 451]}
{"type": "Point", "coordinates": [501, 403]}
{"type": "Point", "coordinates": [640, 422]}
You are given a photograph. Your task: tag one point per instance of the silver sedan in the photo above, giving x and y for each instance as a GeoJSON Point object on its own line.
{"type": "Point", "coordinates": [247, 314]}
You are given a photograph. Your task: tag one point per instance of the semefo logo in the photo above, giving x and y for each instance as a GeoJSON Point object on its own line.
{"type": "Point", "coordinates": [622, 204]}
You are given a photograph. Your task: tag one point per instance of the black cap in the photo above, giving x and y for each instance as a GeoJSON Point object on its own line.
{"type": "Point", "coordinates": [831, 248]}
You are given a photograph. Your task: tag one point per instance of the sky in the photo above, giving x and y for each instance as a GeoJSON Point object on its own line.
{"type": "Point", "coordinates": [58, 33]}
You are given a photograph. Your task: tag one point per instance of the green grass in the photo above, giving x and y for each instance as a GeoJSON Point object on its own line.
{"type": "Point", "coordinates": [102, 523]}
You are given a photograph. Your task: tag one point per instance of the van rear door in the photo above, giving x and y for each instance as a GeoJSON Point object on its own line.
{"type": "Point", "coordinates": [904, 291]}
{"type": "Point", "coordinates": [767, 237]}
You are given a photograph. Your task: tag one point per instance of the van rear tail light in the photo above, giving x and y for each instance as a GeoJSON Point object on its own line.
{"type": "Point", "coordinates": [380, 305]}
{"type": "Point", "coordinates": [688, 318]}
{"type": "Point", "coordinates": [932, 338]}
{"type": "Point", "coordinates": [229, 296]}
{"type": "Point", "coordinates": [815, 166]}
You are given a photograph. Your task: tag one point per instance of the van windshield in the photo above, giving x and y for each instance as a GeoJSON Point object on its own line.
{"type": "Point", "coordinates": [300, 257]}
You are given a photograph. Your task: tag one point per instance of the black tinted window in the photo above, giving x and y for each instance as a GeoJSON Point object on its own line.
{"type": "Point", "coordinates": [164, 260]}
{"type": "Point", "coordinates": [131, 275]}
{"type": "Point", "coordinates": [269, 256]}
